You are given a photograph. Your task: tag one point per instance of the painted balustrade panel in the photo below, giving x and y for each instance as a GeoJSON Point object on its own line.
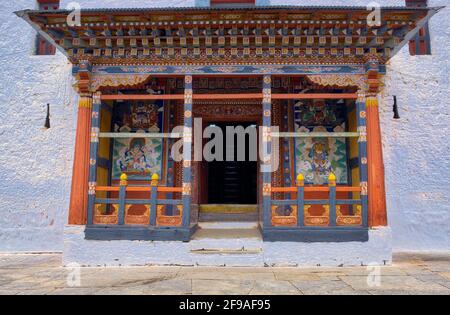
{"type": "Point", "coordinates": [122, 208]}
{"type": "Point", "coordinates": [287, 215]}
{"type": "Point", "coordinates": [337, 209]}
{"type": "Point", "coordinates": [327, 156]}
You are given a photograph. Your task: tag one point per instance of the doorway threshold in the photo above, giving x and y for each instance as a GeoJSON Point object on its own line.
{"type": "Point", "coordinates": [228, 213]}
{"type": "Point", "coordinates": [228, 208]}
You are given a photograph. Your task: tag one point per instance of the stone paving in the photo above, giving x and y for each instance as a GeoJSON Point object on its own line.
{"type": "Point", "coordinates": [42, 274]}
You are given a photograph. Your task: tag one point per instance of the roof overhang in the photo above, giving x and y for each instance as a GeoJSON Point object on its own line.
{"type": "Point", "coordinates": [267, 35]}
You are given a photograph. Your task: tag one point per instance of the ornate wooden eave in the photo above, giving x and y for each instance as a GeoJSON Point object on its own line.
{"type": "Point", "coordinates": [277, 35]}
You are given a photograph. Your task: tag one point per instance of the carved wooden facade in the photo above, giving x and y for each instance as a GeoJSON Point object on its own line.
{"type": "Point", "coordinates": [331, 53]}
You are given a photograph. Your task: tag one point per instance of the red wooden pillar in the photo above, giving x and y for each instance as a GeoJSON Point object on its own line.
{"type": "Point", "coordinates": [376, 184]}
{"type": "Point", "coordinates": [377, 215]}
{"type": "Point", "coordinates": [80, 175]}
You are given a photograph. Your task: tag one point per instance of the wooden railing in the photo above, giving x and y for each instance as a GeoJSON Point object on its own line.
{"type": "Point", "coordinates": [328, 212]}
{"type": "Point", "coordinates": [152, 210]}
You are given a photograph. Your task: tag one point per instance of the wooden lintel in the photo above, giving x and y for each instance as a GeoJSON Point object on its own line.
{"type": "Point", "coordinates": [230, 96]}
{"type": "Point", "coordinates": [315, 134]}
{"type": "Point", "coordinates": [330, 96]}
{"type": "Point", "coordinates": [315, 189]}
{"type": "Point", "coordinates": [140, 135]}
{"type": "Point", "coordinates": [227, 96]}
{"type": "Point", "coordinates": [142, 97]}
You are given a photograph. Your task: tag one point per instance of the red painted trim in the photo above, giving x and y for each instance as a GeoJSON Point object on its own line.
{"type": "Point", "coordinates": [376, 184]}
{"type": "Point", "coordinates": [139, 189]}
{"type": "Point", "coordinates": [231, 96]}
{"type": "Point", "coordinates": [348, 189]}
{"type": "Point", "coordinates": [315, 189]}
{"type": "Point", "coordinates": [107, 188]}
{"type": "Point", "coordinates": [284, 189]}
{"type": "Point", "coordinates": [331, 96]}
{"type": "Point", "coordinates": [170, 189]}
{"type": "Point", "coordinates": [80, 174]}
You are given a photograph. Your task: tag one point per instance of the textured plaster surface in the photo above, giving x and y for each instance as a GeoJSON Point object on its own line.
{"type": "Point", "coordinates": [36, 164]}
{"type": "Point", "coordinates": [226, 252]}
{"type": "Point", "coordinates": [416, 147]}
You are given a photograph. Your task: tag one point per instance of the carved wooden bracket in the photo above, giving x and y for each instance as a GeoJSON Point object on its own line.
{"type": "Point", "coordinates": [233, 109]}
{"type": "Point", "coordinates": [83, 84]}
{"type": "Point", "coordinates": [373, 77]}
{"type": "Point", "coordinates": [117, 80]}
{"type": "Point", "coordinates": [339, 80]}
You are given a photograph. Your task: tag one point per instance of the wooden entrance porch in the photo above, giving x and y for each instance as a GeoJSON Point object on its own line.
{"type": "Point", "coordinates": [295, 212]}
{"type": "Point", "coordinates": [337, 50]}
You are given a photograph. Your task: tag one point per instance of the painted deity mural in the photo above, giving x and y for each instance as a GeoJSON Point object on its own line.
{"type": "Point", "coordinates": [139, 158]}
{"type": "Point", "coordinates": [317, 157]}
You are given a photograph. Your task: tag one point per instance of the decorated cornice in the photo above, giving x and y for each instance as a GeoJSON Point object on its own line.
{"type": "Point", "coordinates": [228, 110]}
{"type": "Point", "coordinates": [366, 78]}
{"type": "Point", "coordinates": [83, 78]}
{"type": "Point", "coordinates": [249, 69]}
{"type": "Point", "coordinates": [269, 35]}
{"type": "Point", "coordinates": [117, 80]}
{"type": "Point", "coordinates": [339, 80]}
{"type": "Point", "coordinates": [128, 76]}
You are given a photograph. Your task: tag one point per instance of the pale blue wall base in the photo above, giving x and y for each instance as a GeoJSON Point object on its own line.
{"type": "Point", "coordinates": [376, 251]}
{"type": "Point", "coordinates": [201, 3]}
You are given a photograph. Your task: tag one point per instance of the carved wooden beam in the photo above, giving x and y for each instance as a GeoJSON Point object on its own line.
{"type": "Point", "coordinates": [83, 76]}
{"type": "Point", "coordinates": [338, 80]}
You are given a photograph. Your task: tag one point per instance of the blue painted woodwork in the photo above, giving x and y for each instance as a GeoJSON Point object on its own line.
{"type": "Point", "coordinates": [138, 233]}
{"type": "Point", "coordinates": [95, 129]}
{"type": "Point", "coordinates": [267, 142]}
{"type": "Point", "coordinates": [332, 205]}
{"type": "Point", "coordinates": [362, 154]}
{"type": "Point", "coordinates": [153, 205]}
{"type": "Point", "coordinates": [313, 234]}
{"type": "Point", "coordinates": [122, 196]}
{"type": "Point", "coordinates": [300, 205]}
{"type": "Point", "coordinates": [221, 70]}
{"type": "Point", "coordinates": [187, 150]}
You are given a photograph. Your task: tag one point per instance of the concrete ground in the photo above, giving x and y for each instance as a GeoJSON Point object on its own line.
{"type": "Point", "coordinates": [42, 274]}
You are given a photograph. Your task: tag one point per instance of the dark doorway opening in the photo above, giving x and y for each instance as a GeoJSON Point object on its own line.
{"type": "Point", "coordinates": [233, 182]}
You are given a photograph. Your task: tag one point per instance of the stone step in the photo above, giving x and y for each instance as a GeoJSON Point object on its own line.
{"type": "Point", "coordinates": [220, 225]}
{"type": "Point", "coordinates": [228, 217]}
{"type": "Point", "coordinates": [227, 234]}
{"type": "Point", "coordinates": [222, 238]}
{"type": "Point", "coordinates": [230, 208]}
